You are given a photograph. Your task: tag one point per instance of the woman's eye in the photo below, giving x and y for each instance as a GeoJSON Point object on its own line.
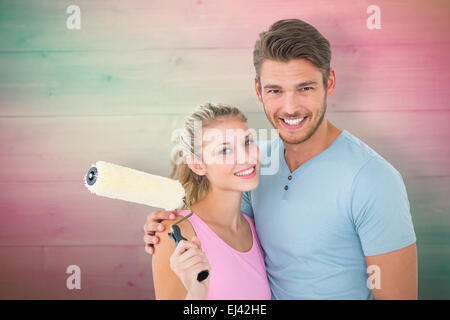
{"type": "Point", "coordinates": [225, 151]}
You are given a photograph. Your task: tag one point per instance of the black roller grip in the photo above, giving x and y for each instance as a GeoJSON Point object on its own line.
{"type": "Point", "coordinates": [202, 275]}
{"type": "Point", "coordinates": [177, 237]}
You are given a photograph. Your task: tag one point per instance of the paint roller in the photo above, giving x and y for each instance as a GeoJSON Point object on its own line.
{"type": "Point", "coordinates": [118, 182]}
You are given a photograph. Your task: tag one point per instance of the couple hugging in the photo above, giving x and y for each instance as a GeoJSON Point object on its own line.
{"type": "Point", "coordinates": [333, 222]}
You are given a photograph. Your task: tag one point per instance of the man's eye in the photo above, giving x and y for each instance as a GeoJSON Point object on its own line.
{"type": "Point", "coordinates": [309, 88]}
{"type": "Point", "coordinates": [248, 142]}
{"type": "Point", "coordinates": [274, 91]}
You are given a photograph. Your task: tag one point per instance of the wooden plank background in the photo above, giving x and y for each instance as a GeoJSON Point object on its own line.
{"type": "Point", "coordinates": [117, 88]}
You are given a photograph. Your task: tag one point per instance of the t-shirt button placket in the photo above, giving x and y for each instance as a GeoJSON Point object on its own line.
{"type": "Point", "coordinates": [286, 188]}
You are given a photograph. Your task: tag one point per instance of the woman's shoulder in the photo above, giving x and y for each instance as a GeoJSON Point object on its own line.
{"type": "Point", "coordinates": [167, 285]}
{"type": "Point", "coordinates": [186, 228]}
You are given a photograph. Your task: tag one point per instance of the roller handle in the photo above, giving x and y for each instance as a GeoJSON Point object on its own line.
{"type": "Point", "coordinates": [91, 178]}
{"type": "Point", "coordinates": [177, 237]}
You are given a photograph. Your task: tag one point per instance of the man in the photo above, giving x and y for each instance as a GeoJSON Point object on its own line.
{"type": "Point", "coordinates": [334, 220]}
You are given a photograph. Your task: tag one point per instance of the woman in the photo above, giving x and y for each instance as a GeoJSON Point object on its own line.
{"type": "Point", "coordinates": [214, 174]}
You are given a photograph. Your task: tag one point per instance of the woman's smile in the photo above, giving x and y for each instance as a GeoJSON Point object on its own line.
{"type": "Point", "coordinates": [247, 173]}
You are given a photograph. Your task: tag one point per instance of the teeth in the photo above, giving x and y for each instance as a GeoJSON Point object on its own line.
{"type": "Point", "coordinates": [293, 122]}
{"type": "Point", "coordinates": [246, 172]}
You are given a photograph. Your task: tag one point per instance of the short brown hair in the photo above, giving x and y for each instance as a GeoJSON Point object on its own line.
{"type": "Point", "coordinates": [293, 39]}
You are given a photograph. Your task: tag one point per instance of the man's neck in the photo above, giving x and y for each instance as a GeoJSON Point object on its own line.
{"type": "Point", "coordinates": [297, 154]}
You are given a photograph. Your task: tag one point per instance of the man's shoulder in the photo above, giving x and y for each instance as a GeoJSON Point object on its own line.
{"type": "Point", "coordinates": [356, 148]}
{"type": "Point", "coordinates": [366, 165]}
{"type": "Point", "coordinates": [378, 173]}
{"type": "Point", "coordinates": [357, 155]}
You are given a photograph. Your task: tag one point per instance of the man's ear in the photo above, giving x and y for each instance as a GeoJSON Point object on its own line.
{"type": "Point", "coordinates": [331, 82]}
{"type": "Point", "coordinates": [195, 166]}
{"type": "Point", "coordinates": [258, 90]}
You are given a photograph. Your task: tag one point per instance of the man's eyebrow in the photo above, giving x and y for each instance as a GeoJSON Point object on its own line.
{"type": "Point", "coordinates": [301, 84]}
{"type": "Point", "coordinates": [306, 83]}
{"type": "Point", "coordinates": [272, 86]}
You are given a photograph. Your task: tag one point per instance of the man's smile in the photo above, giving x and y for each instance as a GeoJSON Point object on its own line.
{"type": "Point", "coordinates": [293, 123]}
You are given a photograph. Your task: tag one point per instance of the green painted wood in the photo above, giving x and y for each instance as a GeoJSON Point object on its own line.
{"type": "Point", "coordinates": [174, 81]}
{"type": "Point", "coordinates": [118, 87]}
{"type": "Point", "coordinates": [62, 148]}
{"type": "Point", "coordinates": [49, 234]}
{"type": "Point", "coordinates": [107, 272]}
{"type": "Point", "coordinates": [28, 25]}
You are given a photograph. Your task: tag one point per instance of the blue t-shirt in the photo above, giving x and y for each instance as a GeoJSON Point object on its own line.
{"type": "Point", "coordinates": [317, 224]}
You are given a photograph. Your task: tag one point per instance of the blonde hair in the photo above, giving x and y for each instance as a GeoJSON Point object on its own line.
{"type": "Point", "coordinates": [196, 186]}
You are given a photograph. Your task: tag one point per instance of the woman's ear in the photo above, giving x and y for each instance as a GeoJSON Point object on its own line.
{"type": "Point", "coordinates": [195, 166]}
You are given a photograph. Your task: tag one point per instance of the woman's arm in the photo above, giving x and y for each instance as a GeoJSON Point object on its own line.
{"type": "Point", "coordinates": [167, 284]}
{"type": "Point", "coordinates": [175, 270]}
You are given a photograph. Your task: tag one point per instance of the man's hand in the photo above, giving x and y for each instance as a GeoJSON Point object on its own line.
{"type": "Point", "coordinates": [154, 224]}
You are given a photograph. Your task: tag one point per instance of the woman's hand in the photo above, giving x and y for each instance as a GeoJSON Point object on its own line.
{"type": "Point", "coordinates": [187, 261]}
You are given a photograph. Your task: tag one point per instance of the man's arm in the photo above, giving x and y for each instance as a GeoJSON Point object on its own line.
{"type": "Point", "coordinates": [382, 219]}
{"type": "Point", "coordinates": [397, 274]}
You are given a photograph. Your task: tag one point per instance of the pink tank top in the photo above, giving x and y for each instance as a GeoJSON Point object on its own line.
{"type": "Point", "coordinates": [234, 275]}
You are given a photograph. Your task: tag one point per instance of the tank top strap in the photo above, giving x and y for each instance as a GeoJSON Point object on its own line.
{"type": "Point", "coordinates": [202, 230]}
{"type": "Point", "coordinates": [200, 227]}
